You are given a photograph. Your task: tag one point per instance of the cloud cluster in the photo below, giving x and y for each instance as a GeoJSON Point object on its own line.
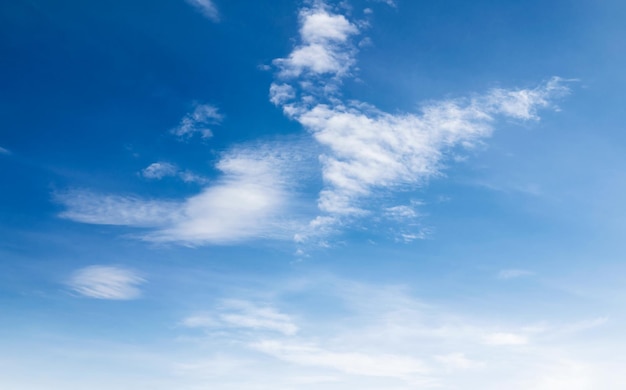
{"type": "Point", "coordinates": [367, 150]}
{"type": "Point", "coordinates": [324, 47]}
{"type": "Point", "coordinates": [198, 122]}
{"type": "Point", "coordinates": [364, 153]}
{"type": "Point", "coordinates": [106, 282]}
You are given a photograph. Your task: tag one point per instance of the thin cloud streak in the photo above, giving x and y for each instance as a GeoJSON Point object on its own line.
{"type": "Point", "coordinates": [240, 314]}
{"type": "Point", "coordinates": [106, 282]}
{"type": "Point", "coordinates": [207, 8]}
{"type": "Point", "coordinates": [159, 170]}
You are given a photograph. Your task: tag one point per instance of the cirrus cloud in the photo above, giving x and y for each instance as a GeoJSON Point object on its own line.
{"type": "Point", "coordinates": [106, 282]}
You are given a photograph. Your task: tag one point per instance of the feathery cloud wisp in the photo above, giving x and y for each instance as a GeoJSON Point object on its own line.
{"type": "Point", "coordinates": [198, 121]}
{"type": "Point", "coordinates": [159, 170]}
{"type": "Point", "coordinates": [365, 152]}
{"type": "Point", "coordinates": [106, 282]}
{"type": "Point", "coordinates": [239, 314]}
{"type": "Point", "coordinates": [207, 8]}
{"type": "Point", "coordinates": [252, 199]}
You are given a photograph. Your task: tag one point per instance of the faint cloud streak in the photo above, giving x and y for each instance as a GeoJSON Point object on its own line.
{"type": "Point", "coordinates": [106, 282]}
{"type": "Point", "coordinates": [207, 8]}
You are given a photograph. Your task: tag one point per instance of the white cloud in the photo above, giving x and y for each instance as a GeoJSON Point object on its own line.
{"type": "Point", "coordinates": [106, 282]}
{"type": "Point", "coordinates": [4, 151]}
{"type": "Point", "coordinates": [402, 212]}
{"type": "Point", "coordinates": [319, 26]}
{"type": "Point", "coordinates": [366, 150]}
{"type": "Point", "coordinates": [369, 150]}
{"type": "Point", "coordinates": [252, 199]}
{"type": "Point", "coordinates": [89, 207]}
{"type": "Point", "coordinates": [198, 121]}
{"type": "Point", "coordinates": [281, 93]}
{"type": "Point", "coordinates": [240, 314]}
{"type": "Point", "coordinates": [190, 177]}
{"type": "Point", "coordinates": [207, 8]}
{"type": "Point", "coordinates": [159, 170]}
{"type": "Point", "coordinates": [325, 48]}
{"type": "Point", "coordinates": [246, 203]}
{"type": "Point", "coordinates": [513, 273]}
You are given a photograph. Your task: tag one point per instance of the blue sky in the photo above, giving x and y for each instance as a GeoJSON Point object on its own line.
{"type": "Point", "coordinates": [365, 194]}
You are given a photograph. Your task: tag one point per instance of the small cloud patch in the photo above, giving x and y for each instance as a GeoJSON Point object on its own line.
{"type": "Point", "coordinates": [106, 282]}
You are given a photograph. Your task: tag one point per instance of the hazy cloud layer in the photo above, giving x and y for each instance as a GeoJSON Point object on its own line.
{"type": "Point", "coordinates": [377, 336]}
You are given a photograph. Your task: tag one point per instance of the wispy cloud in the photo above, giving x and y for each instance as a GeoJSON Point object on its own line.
{"type": "Point", "coordinates": [364, 153]}
{"type": "Point", "coordinates": [207, 8]}
{"type": "Point", "coordinates": [106, 282]}
{"type": "Point", "coordinates": [4, 151]}
{"type": "Point", "coordinates": [252, 199]}
{"type": "Point", "coordinates": [159, 170]}
{"type": "Point", "coordinates": [94, 208]}
{"type": "Point", "coordinates": [386, 334]}
{"type": "Point", "coordinates": [369, 151]}
{"type": "Point", "coordinates": [241, 314]}
{"type": "Point", "coordinates": [198, 121]}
